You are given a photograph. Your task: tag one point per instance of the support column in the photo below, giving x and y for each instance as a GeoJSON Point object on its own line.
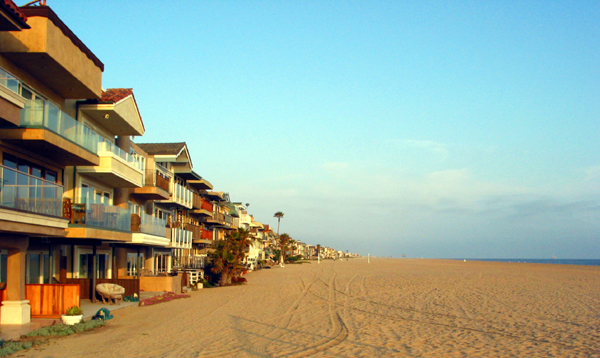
{"type": "Point", "coordinates": [16, 309]}
{"type": "Point", "coordinates": [94, 274]}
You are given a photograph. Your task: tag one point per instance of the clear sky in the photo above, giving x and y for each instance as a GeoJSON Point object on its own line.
{"type": "Point", "coordinates": [446, 129]}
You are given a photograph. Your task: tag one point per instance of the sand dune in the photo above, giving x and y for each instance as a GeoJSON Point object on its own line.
{"type": "Point", "coordinates": [388, 308]}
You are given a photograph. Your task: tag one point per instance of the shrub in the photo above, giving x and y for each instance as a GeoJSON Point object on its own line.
{"type": "Point", "coordinates": [10, 347]}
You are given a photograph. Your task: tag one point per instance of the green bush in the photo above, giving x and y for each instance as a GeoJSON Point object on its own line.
{"type": "Point", "coordinates": [10, 347]}
{"type": "Point", "coordinates": [65, 329]}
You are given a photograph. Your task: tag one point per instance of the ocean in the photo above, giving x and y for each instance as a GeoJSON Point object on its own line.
{"type": "Point", "coordinates": [584, 262]}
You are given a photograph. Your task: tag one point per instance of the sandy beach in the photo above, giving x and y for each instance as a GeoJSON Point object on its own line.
{"type": "Point", "coordinates": [390, 307]}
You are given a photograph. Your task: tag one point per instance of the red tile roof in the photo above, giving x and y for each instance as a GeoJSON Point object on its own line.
{"type": "Point", "coordinates": [114, 95]}
{"type": "Point", "coordinates": [16, 12]}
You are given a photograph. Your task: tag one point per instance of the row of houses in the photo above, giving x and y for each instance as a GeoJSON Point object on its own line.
{"type": "Point", "coordinates": [81, 203]}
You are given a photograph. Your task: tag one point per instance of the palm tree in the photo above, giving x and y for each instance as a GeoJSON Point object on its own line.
{"type": "Point", "coordinates": [278, 215]}
{"type": "Point", "coordinates": [283, 241]}
{"type": "Point", "coordinates": [228, 255]}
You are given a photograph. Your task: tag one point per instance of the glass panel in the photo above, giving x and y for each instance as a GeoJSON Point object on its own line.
{"type": "Point", "coordinates": [83, 265]}
{"type": "Point", "coordinates": [36, 172]}
{"type": "Point", "coordinates": [34, 268]}
{"type": "Point", "coordinates": [23, 167]}
{"type": "Point", "coordinates": [46, 269]}
{"type": "Point", "coordinates": [102, 266]}
{"type": "Point", "coordinates": [41, 113]}
{"type": "Point", "coordinates": [26, 93]}
{"type": "Point", "coordinates": [3, 267]}
{"type": "Point", "coordinates": [9, 81]}
{"type": "Point", "coordinates": [51, 176]}
{"type": "Point", "coordinates": [152, 225]}
{"type": "Point", "coordinates": [9, 161]}
{"type": "Point", "coordinates": [131, 264]}
{"type": "Point", "coordinates": [54, 114]}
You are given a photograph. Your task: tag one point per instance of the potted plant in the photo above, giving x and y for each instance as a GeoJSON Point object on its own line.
{"type": "Point", "coordinates": [72, 316]}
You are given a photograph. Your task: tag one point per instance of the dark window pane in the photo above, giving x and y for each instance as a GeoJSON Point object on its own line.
{"type": "Point", "coordinates": [36, 172]}
{"type": "Point", "coordinates": [50, 176]}
{"type": "Point", "coordinates": [9, 161]}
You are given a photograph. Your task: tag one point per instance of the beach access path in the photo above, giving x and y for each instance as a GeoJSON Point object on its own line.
{"type": "Point", "coordinates": [385, 308]}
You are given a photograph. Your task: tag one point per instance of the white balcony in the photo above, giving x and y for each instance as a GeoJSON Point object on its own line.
{"type": "Point", "coordinates": [117, 169]}
{"type": "Point", "coordinates": [181, 239]}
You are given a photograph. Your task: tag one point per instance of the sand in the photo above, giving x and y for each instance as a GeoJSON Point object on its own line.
{"type": "Point", "coordinates": [388, 308]}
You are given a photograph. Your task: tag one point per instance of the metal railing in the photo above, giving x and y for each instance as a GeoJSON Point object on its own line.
{"type": "Point", "coordinates": [40, 113]}
{"type": "Point", "coordinates": [25, 192]}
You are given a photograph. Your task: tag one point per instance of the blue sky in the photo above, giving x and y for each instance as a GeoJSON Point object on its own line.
{"type": "Point", "coordinates": [436, 129]}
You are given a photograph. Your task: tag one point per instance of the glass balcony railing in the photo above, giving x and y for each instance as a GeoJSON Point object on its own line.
{"type": "Point", "coordinates": [99, 214]}
{"type": "Point", "coordinates": [152, 225]}
{"type": "Point", "coordinates": [9, 81]}
{"type": "Point", "coordinates": [25, 192]}
{"type": "Point", "coordinates": [40, 113]}
{"type": "Point", "coordinates": [110, 147]}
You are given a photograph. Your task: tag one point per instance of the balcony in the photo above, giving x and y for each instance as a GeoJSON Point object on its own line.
{"type": "Point", "coordinates": [181, 239]}
{"type": "Point", "coordinates": [149, 230]}
{"type": "Point", "coordinates": [214, 195]}
{"type": "Point", "coordinates": [31, 204]}
{"type": "Point", "coordinates": [216, 219]}
{"type": "Point", "coordinates": [47, 130]}
{"type": "Point", "coordinates": [201, 206]}
{"type": "Point", "coordinates": [50, 52]}
{"type": "Point", "coordinates": [116, 169]}
{"type": "Point", "coordinates": [11, 102]}
{"type": "Point", "coordinates": [206, 237]}
{"type": "Point", "coordinates": [92, 219]}
{"type": "Point", "coordinates": [228, 220]}
{"type": "Point", "coordinates": [180, 195]}
{"type": "Point", "coordinates": [155, 186]}
{"type": "Point", "coordinates": [195, 230]}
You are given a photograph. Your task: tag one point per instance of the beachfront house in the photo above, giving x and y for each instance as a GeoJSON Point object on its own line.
{"type": "Point", "coordinates": [44, 70]}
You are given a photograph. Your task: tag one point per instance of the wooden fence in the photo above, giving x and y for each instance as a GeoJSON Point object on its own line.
{"type": "Point", "coordinates": [49, 300]}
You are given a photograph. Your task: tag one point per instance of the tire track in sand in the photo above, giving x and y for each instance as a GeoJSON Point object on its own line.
{"type": "Point", "coordinates": [260, 349]}
{"type": "Point", "coordinates": [339, 332]}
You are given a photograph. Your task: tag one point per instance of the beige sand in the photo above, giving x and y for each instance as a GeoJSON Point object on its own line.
{"type": "Point", "coordinates": [388, 308]}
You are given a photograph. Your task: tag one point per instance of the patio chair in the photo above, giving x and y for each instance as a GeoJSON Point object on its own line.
{"type": "Point", "coordinates": [110, 292]}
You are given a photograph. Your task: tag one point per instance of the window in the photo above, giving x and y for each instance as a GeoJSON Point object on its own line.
{"type": "Point", "coordinates": [84, 263]}
{"type": "Point", "coordinates": [161, 262]}
{"type": "Point", "coordinates": [135, 264]}
{"type": "Point", "coordinates": [27, 167]}
{"type": "Point", "coordinates": [37, 268]}
{"type": "Point", "coordinates": [135, 208]}
{"type": "Point", "coordinates": [91, 195]}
